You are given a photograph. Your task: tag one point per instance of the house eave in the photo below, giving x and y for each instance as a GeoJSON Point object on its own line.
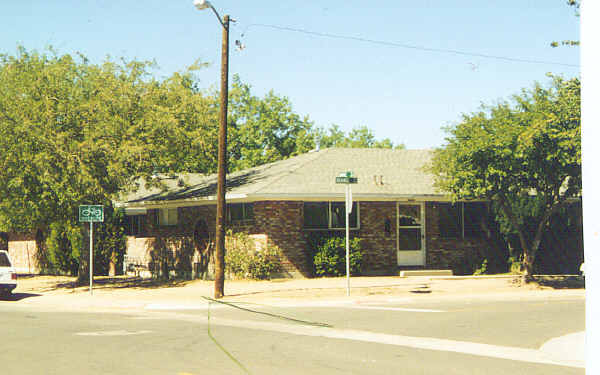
{"type": "Point", "coordinates": [241, 198]}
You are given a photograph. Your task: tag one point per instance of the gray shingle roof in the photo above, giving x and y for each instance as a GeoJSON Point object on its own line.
{"type": "Point", "coordinates": [310, 175]}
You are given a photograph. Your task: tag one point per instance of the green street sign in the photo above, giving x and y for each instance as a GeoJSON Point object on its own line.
{"type": "Point", "coordinates": [346, 178]}
{"type": "Point", "coordinates": [93, 213]}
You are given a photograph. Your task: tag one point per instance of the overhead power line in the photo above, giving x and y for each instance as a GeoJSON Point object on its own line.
{"type": "Point", "coordinates": [403, 45]}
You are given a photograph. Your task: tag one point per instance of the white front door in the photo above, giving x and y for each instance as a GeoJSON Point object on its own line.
{"type": "Point", "coordinates": [410, 234]}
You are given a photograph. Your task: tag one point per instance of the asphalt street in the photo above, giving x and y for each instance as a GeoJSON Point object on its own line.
{"type": "Point", "coordinates": [391, 336]}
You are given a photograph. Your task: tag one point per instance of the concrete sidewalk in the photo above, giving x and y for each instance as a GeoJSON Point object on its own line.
{"type": "Point", "coordinates": [42, 292]}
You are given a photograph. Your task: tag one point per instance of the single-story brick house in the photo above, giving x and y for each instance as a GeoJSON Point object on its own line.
{"type": "Point", "coordinates": [404, 222]}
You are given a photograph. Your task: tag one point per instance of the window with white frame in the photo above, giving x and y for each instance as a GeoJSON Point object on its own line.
{"type": "Point", "coordinates": [329, 215]}
{"type": "Point", "coordinates": [167, 216]}
{"type": "Point", "coordinates": [240, 213]}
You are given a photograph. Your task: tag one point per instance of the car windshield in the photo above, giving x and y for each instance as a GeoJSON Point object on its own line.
{"type": "Point", "coordinates": [4, 262]}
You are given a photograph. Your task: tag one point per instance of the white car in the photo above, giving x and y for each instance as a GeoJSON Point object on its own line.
{"type": "Point", "coordinates": [8, 276]}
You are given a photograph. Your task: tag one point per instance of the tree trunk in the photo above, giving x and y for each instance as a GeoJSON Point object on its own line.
{"type": "Point", "coordinates": [112, 266]}
{"type": "Point", "coordinates": [530, 250]}
{"type": "Point", "coordinates": [41, 256]}
{"type": "Point", "coordinates": [497, 251]}
{"type": "Point", "coordinates": [528, 261]}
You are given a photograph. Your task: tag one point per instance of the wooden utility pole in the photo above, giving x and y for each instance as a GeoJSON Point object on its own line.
{"type": "Point", "coordinates": [222, 167]}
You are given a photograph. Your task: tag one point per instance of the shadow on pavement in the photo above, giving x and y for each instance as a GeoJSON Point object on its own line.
{"type": "Point", "coordinates": [18, 296]}
{"type": "Point", "coordinates": [561, 282]}
{"type": "Point", "coordinates": [120, 282]}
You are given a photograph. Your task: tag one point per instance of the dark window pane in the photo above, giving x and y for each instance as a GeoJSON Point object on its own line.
{"type": "Point", "coordinates": [4, 260]}
{"type": "Point", "coordinates": [236, 212]}
{"type": "Point", "coordinates": [449, 222]}
{"type": "Point", "coordinates": [134, 225]}
{"type": "Point", "coordinates": [474, 213]}
{"type": "Point", "coordinates": [248, 211]}
{"type": "Point", "coordinates": [354, 216]}
{"type": "Point", "coordinates": [240, 212]}
{"type": "Point", "coordinates": [315, 215]}
{"type": "Point", "coordinates": [338, 215]}
{"type": "Point", "coordinates": [409, 239]}
{"type": "Point", "coordinates": [409, 215]}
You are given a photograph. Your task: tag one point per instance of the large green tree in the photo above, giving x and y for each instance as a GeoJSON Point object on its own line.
{"type": "Point", "coordinates": [524, 156]}
{"type": "Point", "coordinates": [75, 133]}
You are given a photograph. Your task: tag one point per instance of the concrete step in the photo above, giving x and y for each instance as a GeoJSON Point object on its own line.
{"type": "Point", "coordinates": [407, 273]}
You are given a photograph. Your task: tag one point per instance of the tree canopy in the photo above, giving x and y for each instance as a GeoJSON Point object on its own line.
{"type": "Point", "coordinates": [527, 150]}
{"type": "Point", "coordinates": [74, 133]}
{"type": "Point", "coordinates": [359, 137]}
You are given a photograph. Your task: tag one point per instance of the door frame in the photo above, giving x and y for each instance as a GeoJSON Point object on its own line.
{"type": "Point", "coordinates": [411, 258]}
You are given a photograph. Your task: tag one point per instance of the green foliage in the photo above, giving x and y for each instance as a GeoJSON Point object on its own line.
{"type": "Point", "coordinates": [243, 260]}
{"type": "Point", "coordinates": [360, 137]}
{"type": "Point", "coordinates": [525, 157]}
{"type": "Point", "coordinates": [72, 133]}
{"type": "Point", "coordinates": [264, 130]}
{"type": "Point", "coordinates": [330, 259]}
{"type": "Point", "coordinates": [515, 265]}
{"type": "Point", "coordinates": [483, 269]}
{"type": "Point", "coordinates": [67, 243]}
{"type": "Point", "coordinates": [63, 246]}
{"type": "Point", "coordinates": [109, 243]}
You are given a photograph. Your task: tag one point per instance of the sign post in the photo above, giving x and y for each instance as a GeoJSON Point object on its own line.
{"type": "Point", "coordinates": [91, 214]}
{"type": "Point", "coordinates": [347, 178]}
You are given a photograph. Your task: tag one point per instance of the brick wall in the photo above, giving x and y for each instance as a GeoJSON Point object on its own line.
{"type": "Point", "coordinates": [379, 245]}
{"type": "Point", "coordinates": [280, 223]}
{"type": "Point", "coordinates": [275, 223]}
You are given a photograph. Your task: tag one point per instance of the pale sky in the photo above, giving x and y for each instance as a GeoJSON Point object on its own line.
{"type": "Point", "coordinates": [405, 94]}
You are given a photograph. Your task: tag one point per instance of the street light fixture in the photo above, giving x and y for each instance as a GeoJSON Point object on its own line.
{"type": "Point", "coordinates": [222, 151]}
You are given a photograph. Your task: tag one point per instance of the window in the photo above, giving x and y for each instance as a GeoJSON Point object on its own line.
{"type": "Point", "coordinates": [134, 225]}
{"type": "Point", "coordinates": [167, 216]}
{"type": "Point", "coordinates": [329, 215]}
{"type": "Point", "coordinates": [449, 219]}
{"type": "Point", "coordinates": [240, 213]}
{"type": "Point", "coordinates": [461, 219]}
{"type": "Point", "coordinates": [316, 215]}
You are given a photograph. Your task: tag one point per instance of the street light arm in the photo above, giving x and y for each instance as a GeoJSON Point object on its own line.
{"type": "Point", "coordinates": [218, 16]}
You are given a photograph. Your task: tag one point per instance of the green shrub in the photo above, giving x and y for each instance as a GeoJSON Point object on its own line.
{"type": "Point", "coordinates": [483, 269]}
{"type": "Point", "coordinates": [330, 259]}
{"type": "Point", "coordinates": [63, 246]}
{"type": "Point", "coordinates": [242, 260]}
